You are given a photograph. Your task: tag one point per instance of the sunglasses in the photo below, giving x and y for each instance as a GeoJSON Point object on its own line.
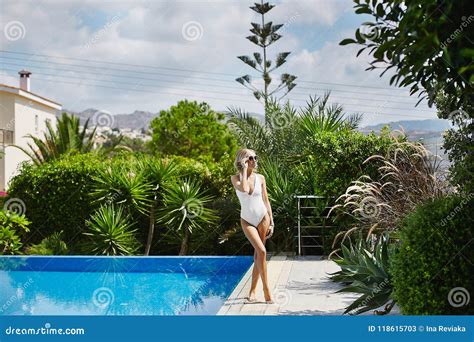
{"type": "Point", "coordinates": [253, 158]}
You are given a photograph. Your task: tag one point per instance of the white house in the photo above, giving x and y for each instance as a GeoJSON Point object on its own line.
{"type": "Point", "coordinates": [21, 112]}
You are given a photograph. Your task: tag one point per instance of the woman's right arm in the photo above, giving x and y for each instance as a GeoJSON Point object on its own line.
{"type": "Point", "coordinates": [244, 184]}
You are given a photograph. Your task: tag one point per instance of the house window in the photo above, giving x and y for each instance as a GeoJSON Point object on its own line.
{"type": "Point", "coordinates": [36, 124]}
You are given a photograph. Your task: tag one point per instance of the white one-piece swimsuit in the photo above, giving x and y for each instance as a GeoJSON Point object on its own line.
{"type": "Point", "coordinates": [252, 207]}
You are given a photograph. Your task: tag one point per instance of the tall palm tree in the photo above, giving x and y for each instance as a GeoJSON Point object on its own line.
{"type": "Point", "coordinates": [67, 137]}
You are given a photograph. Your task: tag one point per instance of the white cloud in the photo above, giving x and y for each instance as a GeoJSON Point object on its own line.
{"type": "Point", "coordinates": [333, 64]}
{"type": "Point", "coordinates": [149, 33]}
{"type": "Point", "coordinates": [315, 12]}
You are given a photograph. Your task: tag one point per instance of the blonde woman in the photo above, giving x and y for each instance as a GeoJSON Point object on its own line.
{"type": "Point", "coordinates": [255, 216]}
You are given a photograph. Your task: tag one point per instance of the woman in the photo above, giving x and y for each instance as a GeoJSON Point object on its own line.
{"type": "Point", "coordinates": [255, 216]}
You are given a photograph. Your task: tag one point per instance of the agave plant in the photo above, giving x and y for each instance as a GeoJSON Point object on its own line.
{"type": "Point", "coordinates": [365, 270]}
{"type": "Point", "coordinates": [185, 210]}
{"type": "Point", "coordinates": [67, 137]}
{"type": "Point", "coordinates": [409, 175]}
{"type": "Point", "coordinates": [110, 232]}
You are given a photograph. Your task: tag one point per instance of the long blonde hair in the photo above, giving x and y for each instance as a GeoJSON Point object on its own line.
{"type": "Point", "coordinates": [241, 154]}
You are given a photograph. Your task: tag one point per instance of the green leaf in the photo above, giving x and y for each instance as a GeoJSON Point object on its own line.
{"type": "Point", "coordinates": [347, 41]}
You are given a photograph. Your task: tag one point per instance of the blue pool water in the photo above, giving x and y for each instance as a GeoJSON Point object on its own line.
{"type": "Point", "coordinates": [73, 285]}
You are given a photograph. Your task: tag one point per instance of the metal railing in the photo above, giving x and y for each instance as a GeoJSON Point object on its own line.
{"type": "Point", "coordinates": [310, 226]}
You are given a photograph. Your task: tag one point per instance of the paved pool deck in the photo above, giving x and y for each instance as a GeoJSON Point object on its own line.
{"type": "Point", "coordinates": [300, 286]}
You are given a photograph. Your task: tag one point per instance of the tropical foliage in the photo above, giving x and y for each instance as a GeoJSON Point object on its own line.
{"type": "Point", "coordinates": [287, 128]}
{"type": "Point", "coordinates": [57, 194]}
{"type": "Point", "coordinates": [67, 137]}
{"type": "Point", "coordinates": [51, 245]}
{"type": "Point", "coordinates": [185, 211]}
{"type": "Point", "coordinates": [110, 232]}
{"type": "Point", "coordinates": [12, 228]}
{"type": "Point", "coordinates": [365, 270]}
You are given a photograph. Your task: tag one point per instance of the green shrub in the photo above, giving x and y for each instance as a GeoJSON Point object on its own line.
{"type": "Point", "coordinates": [51, 245]}
{"type": "Point", "coordinates": [110, 232]}
{"type": "Point", "coordinates": [56, 195]}
{"type": "Point", "coordinates": [433, 271]}
{"type": "Point", "coordinates": [12, 228]}
{"type": "Point", "coordinates": [332, 160]}
{"type": "Point", "coordinates": [337, 159]}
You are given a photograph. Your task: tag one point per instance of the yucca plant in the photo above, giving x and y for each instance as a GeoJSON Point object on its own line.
{"type": "Point", "coordinates": [67, 137]}
{"type": "Point", "coordinates": [125, 184]}
{"type": "Point", "coordinates": [110, 232]}
{"type": "Point", "coordinates": [365, 270]}
{"type": "Point", "coordinates": [185, 211]}
{"type": "Point", "coordinates": [159, 174]}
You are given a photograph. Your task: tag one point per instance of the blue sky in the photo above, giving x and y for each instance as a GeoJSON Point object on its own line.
{"type": "Point", "coordinates": [121, 56]}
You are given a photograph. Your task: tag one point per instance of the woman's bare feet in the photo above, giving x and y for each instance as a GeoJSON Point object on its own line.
{"type": "Point", "coordinates": [251, 297]}
{"type": "Point", "coordinates": [268, 297]}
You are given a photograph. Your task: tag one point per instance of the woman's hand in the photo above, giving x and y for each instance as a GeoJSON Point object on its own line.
{"type": "Point", "coordinates": [270, 230]}
{"type": "Point", "coordinates": [245, 163]}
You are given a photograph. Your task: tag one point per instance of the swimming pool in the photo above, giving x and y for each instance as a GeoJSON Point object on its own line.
{"type": "Point", "coordinates": [83, 285]}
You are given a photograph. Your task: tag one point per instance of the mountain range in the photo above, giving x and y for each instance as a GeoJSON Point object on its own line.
{"type": "Point", "coordinates": [141, 119]}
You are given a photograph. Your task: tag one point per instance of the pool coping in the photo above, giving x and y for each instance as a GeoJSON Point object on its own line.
{"type": "Point", "coordinates": [125, 256]}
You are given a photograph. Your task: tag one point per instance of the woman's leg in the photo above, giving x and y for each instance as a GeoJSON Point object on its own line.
{"type": "Point", "coordinates": [260, 255]}
{"type": "Point", "coordinates": [255, 276]}
{"type": "Point", "coordinates": [262, 232]}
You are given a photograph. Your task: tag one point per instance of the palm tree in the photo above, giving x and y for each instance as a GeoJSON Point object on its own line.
{"type": "Point", "coordinates": [287, 129]}
{"type": "Point", "coordinates": [276, 137]}
{"type": "Point", "coordinates": [66, 138]}
{"type": "Point", "coordinates": [185, 210]}
{"type": "Point", "coordinates": [319, 116]}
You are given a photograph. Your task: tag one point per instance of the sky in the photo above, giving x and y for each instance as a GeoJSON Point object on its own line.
{"type": "Point", "coordinates": [122, 56]}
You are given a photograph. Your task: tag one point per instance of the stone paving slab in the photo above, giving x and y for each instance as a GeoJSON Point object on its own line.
{"type": "Point", "coordinates": [300, 286]}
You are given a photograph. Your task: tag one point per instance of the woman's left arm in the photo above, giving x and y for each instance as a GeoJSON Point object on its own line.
{"type": "Point", "coordinates": [266, 200]}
